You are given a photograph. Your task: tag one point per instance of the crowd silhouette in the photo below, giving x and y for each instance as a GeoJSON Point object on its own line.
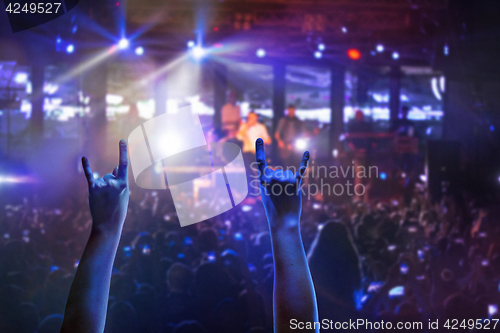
{"type": "Point", "coordinates": [252, 269]}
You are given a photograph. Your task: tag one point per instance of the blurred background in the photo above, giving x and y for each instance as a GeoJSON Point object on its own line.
{"type": "Point", "coordinates": [407, 86]}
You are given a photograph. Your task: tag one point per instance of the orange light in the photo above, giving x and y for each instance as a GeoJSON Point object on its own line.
{"type": "Point", "coordinates": [354, 54]}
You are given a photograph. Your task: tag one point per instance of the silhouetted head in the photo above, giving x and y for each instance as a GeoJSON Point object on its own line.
{"type": "Point", "coordinates": [359, 115]}
{"type": "Point", "coordinates": [232, 97]}
{"type": "Point", "coordinates": [404, 112]}
{"type": "Point", "coordinates": [189, 326]}
{"type": "Point", "coordinates": [291, 110]}
{"type": "Point", "coordinates": [179, 278]}
{"type": "Point", "coordinates": [252, 118]}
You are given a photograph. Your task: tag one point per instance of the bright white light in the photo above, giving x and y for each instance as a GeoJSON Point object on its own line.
{"type": "Point", "coordinates": [50, 88]}
{"type": "Point", "coordinates": [139, 50]}
{"type": "Point", "coordinates": [7, 179]}
{"type": "Point", "coordinates": [344, 29]}
{"type": "Point", "coordinates": [114, 99]}
{"type": "Point", "coordinates": [435, 89]}
{"type": "Point", "coordinates": [318, 54]}
{"type": "Point", "coordinates": [442, 83]}
{"type": "Point", "coordinates": [300, 144]}
{"type": "Point", "coordinates": [261, 53]}
{"type": "Point", "coordinates": [190, 44]}
{"type": "Point", "coordinates": [380, 48]}
{"type": "Point", "coordinates": [423, 178]}
{"type": "Point", "coordinates": [70, 48]}
{"type": "Point", "coordinates": [198, 52]}
{"type": "Point", "coordinates": [158, 167]}
{"type": "Point", "coordinates": [321, 47]}
{"type": "Point", "coordinates": [335, 153]}
{"type": "Point", "coordinates": [395, 55]}
{"type": "Point", "coordinates": [123, 43]}
{"type": "Point", "coordinates": [21, 78]}
{"type": "Point", "coordinates": [492, 309]}
{"type": "Point", "coordinates": [397, 291]}
{"type": "Point", "coordinates": [246, 208]}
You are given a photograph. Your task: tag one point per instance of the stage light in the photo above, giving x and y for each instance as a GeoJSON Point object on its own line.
{"type": "Point", "coordinates": [344, 29]}
{"type": "Point", "coordinates": [380, 48]}
{"type": "Point", "coordinates": [139, 50]}
{"type": "Point", "coordinates": [446, 50]}
{"type": "Point", "coordinates": [70, 48]}
{"type": "Point", "coordinates": [395, 55]}
{"type": "Point", "coordinates": [354, 54]}
{"type": "Point", "coordinates": [190, 44]}
{"type": "Point", "coordinates": [123, 43]}
{"type": "Point", "coordinates": [238, 236]}
{"type": "Point", "coordinates": [21, 78]}
{"type": "Point", "coordinates": [321, 46]}
{"type": "Point", "coordinates": [373, 53]}
{"type": "Point", "coordinates": [198, 52]}
{"type": "Point", "coordinates": [246, 208]}
{"type": "Point", "coordinates": [300, 144]}
{"type": "Point", "coordinates": [492, 128]}
{"type": "Point", "coordinates": [383, 176]}
{"type": "Point", "coordinates": [261, 53]}
{"type": "Point", "coordinates": [318, 54]}
{"type": "Point", "coordinates": [423, 178]}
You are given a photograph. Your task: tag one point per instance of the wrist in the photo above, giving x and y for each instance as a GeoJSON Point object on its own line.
{"type": "Point", "coordinates": [106, 229]}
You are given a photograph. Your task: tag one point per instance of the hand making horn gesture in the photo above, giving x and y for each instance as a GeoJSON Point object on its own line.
{"type": "Point", "coordinates": [280, 190]}
{"type": "Point", "coordinates": [108, 196]}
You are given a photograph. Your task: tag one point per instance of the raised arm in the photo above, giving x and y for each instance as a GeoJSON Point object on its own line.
{"type": "Point", "coordinates": [294, 298]}
{"type": "Point", "coordinates": [88, 298]}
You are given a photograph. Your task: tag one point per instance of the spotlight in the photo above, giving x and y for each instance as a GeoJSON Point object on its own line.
{"type": "Point", "coordinates": [261, 53]}
{"type": "Point", "coordinates": [123, 43]}
{"type": "Point", "coordinates": [139, 50]}
{"type": "Point", "coordinates": [446, 50]}
{"type": "Point", "coordinates": [354, 54]}
{"type": "Point", "coordinates": [383, 176]}
{"type": "Point", "coordinates": [58, 43]}
{"type": "Point", "coordinates": [380, 48]}
{"type": "Point", "coordinates": [190, 44]}
{"type": "Point", "coordinates": [300, 144]}
{"type": "Point", "coordinates": [395, 55]}
{"type": "Point", "coordinates": [344, 29]}
{"type": "Point", "coordinates": [21, 78]}
{"type": "Point", "coordinates": [70, 48]}
{"type": "Point", "coordinates": [198, 52]}
{"type": "Point", "coordinates": [321, 47]}
{"type": "Point", "coordinates": [318, 54]}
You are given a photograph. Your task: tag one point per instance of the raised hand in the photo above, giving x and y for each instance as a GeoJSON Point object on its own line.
{"type": "Point", "coordinates": [108, 196]}
{"type": "Point", "coordinates": [88, 298]}
{"type": "Point", "coordinates": [294, 297]}
{"type": "Point", "coordinates": [280, 190]}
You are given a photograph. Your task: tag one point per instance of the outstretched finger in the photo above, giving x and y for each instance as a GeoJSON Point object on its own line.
{"type": "Point", "coordinates": [260, 156]}
{"type": "Point", "coordinates": [88, 172]}
{"type": "Point", "coordinates": [123, 165]}
{"type": "Point", "coordinates": [303, 166]}
{"type": "Point", "coordinates": [115, 172]}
